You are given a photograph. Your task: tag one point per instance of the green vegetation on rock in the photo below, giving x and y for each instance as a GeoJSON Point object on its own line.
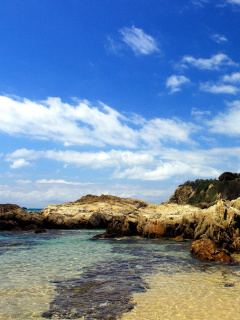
{"type": "Point", "coordinates": [205, 192]}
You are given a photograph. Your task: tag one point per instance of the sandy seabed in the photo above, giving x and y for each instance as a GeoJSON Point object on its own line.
{"type": "Point", "coordinates": [189, 296]}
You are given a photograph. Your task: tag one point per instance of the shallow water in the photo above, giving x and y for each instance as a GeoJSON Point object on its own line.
{"type": "Point", "coordinates": [63, 274]}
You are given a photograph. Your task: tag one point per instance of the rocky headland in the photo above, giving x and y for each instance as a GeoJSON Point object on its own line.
{"type": "Point", "coordinates": [213, 225]}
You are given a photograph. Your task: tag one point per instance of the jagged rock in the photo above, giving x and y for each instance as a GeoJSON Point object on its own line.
{"type": "Point", "coordinates": [206, 250]}
{"type": "Point", "coordinates": [181, 194]}
{"type": "Point", "coordinates": [221, 224]}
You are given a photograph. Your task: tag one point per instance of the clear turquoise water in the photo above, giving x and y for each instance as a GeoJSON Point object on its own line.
{"type": "Point", "coordinates": [63, 274]}
{"type": "Point", "coordinates": [33, 209]}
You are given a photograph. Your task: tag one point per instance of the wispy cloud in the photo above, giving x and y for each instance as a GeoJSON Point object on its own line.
{"type": "Point", "coordinates": [228, 84]}
{"type": "Point", "coordinates": [227, 122]}
{"type": "Point", "coordinates": [232, 78]}
{"type": "Point", "coordinates": [237, 2]}
{"type": "Point", "coordinates": [175, 82]}
{"type": "Point", "coordinates": [84, 124]}
{"type": "Point", "coordinates": [213, 63]}
{"type": "Point", "coordinates": [59, 181]}
{"type": "Point", "coordinates": [199, 3]}
{"type": "Point", "coordinates": [141, 165]}
{"type": "Point", "coordinates": [219, 38]}
{"type": "Point", "coordinates": [113, 46]}
{"type": "Point", "coordinates": [139, 41]}
{"type": "Point", "coordinates": [219, 88]}
{"type": "Point", "coordinates": [200, 113]}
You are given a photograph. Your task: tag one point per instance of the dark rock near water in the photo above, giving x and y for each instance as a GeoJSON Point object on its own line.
{"type": "Point", "coordinates": [207, 250]}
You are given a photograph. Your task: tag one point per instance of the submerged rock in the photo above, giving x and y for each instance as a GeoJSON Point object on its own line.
{"type": "Point", "coordinates": [206, 250]}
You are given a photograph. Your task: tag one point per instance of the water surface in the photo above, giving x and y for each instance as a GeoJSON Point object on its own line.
{"type": "Point", "coordinates": [63, 274]}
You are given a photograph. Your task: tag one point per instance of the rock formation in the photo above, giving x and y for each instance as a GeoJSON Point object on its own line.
{"type": "Point", "coordinates": [205, 193]}
{"type": "Point", "coordinates": [207, 250]}
{"type": "Point", "coordinates": [219, 223]}
{"type": "Point", "coordinates": [13, 217]}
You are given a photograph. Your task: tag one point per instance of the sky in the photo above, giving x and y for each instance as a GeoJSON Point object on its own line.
{"type": "Point", "coordinates": [128, 98]}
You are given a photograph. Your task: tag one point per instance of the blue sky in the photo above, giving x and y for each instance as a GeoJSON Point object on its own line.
{"type": "Point", "coordinates": [130, 98]}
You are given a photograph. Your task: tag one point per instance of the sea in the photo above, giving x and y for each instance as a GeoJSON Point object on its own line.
{"type": "Point", "coordinates": [66, 274]}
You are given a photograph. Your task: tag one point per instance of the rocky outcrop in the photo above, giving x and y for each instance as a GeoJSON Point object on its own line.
{"type": "Point", "coordinates": [219, 223]}
{"type": "Point", "coordinates": [13, 217]}
{"type": "Point", "coordinates": [90, 211]}
{"type": "Point", "coordinates": [156, 221]}
{"type": "Point", "coordinates": [205, 193]}
{"type": "Point", "coordinates": [207, 250]}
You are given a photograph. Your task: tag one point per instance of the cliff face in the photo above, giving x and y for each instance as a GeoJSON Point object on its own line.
{"type": "Point", "coordinates": [204, 193]}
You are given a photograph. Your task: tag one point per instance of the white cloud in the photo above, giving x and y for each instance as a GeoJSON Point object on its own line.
{"type": "Point", "coordinates": [83, 124]}
{"type": "Point", "coordinates": [19, 163]}
{"type": "Point", "coordinates": [227, 123]}
{"type": "Point", "coordinates": [213, 63]}
{"type": "Point", "coordinates": [219, 88]}
{"type": "Point", "coordinates": [23, 181]}
{"type": "Point", "coordinates": [148, 165]}
{"type": "Point", "coordinates": [167, 170]}
{"type": "Point", "coordinates": [175, 82]}
{"type": "Point", "coordinates": [200, 3]}
{"type": "Point", "coordinates": [233, 78]}
{"type": "Point", "coordinates": [113, 158]}
{"type": "Point", "coordinates": [139, 41]}
{"type": "Point", "coordinates": [234, 2]}
{"type": "Point", "coordinates": [72, 125]}
{"type": "Point", "coordinates": [60, 181]}
{"type": "Point", "coordinates": [156, 130]}
{"type": "Point", "coordinates": [219, 38]}
{"type": "Point", "coordinates": [199, 113]}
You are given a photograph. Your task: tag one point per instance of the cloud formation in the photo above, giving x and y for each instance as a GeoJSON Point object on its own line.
{"type": "Point", "coordinates": [213, 63]}
{"type": "Point", "coordinates": [61, 181]}
{"type": "Point", "coordinates": [175, 82]}
{"type": "Point", "coordinates": [139, 41]}
{"type": "Point", "coordinates": [219, 38]}
{"type": "Point", "coordinates": [227, 122]}
{"type": "Point", "coordinates": [84, 124]}
{"type": "Point", "coordinates": [232, 78]}
{"type": "Point", "coordinates": [219, 88]}
{"type": "Point", "coordinates": [237, 2]}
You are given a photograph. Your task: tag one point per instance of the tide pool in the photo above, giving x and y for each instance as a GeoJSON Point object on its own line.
{"type": "Point", "coordinates": [64, 274]}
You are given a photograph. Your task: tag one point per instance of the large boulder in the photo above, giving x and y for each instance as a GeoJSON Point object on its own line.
{"type": "Point", "coordinates": [207, 250]}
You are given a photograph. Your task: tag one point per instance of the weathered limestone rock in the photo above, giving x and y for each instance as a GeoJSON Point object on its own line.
{"type": "Point", "coordinates": [207, 250]}
{"type": "Point", "coordinates": [155, 221]}
{"type": "Point", "coordinates": [221, 224]}
{"type": "Point", "coordinates": [90, 211]}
